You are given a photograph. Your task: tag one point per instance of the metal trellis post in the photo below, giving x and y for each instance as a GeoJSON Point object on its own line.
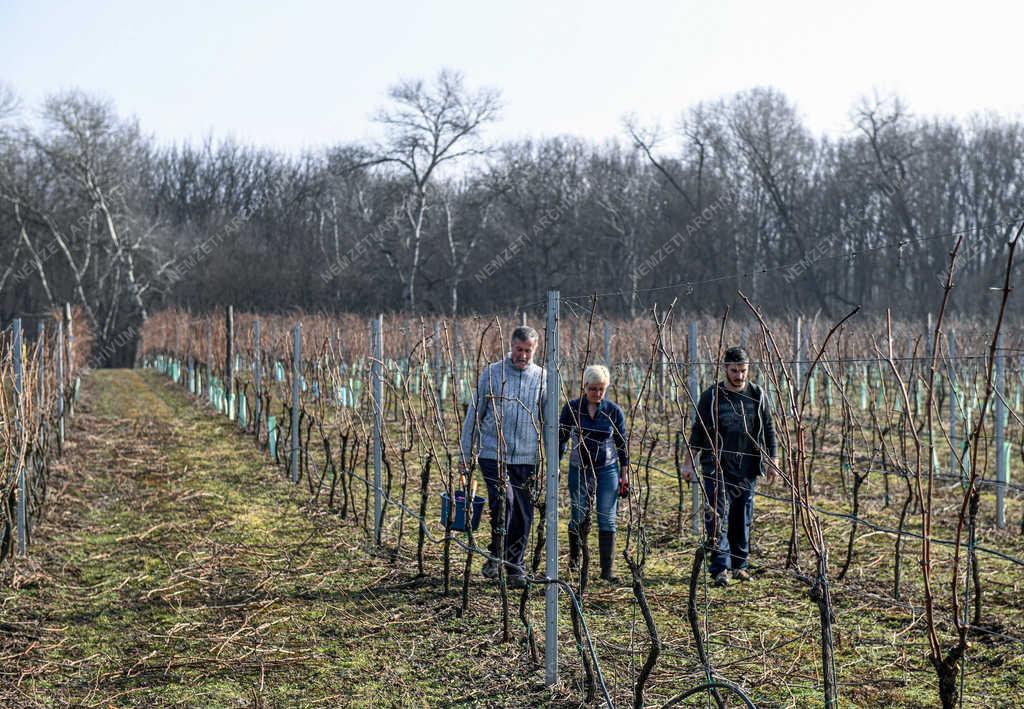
{"type": "Point", "coordinates": [437, 367]}
{"type": "Point", "coordinates": [1000, 433]}
{"type": "Point", "coordinates": [377, 348]}
{"type": "Point", "coordinates": [41, 384]}
{"type": "Point", "coordinates": [60, 383]}
{"type": "Point", "coordinates": [551, 507]}
{"type": "Point", "coordinates": [257, 408]}
{"type": "Point", "coordinates": [694, 385]}
{"type": "Point", "coordinates": [296, 375]}
{"type": "Point", "coordinates": [209, 362]}
{"type": "Point", "coordinates": [19, 417]}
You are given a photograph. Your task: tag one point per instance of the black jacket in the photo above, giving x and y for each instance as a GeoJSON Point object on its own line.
{"type": "Point", "coordinates": [738, 429]}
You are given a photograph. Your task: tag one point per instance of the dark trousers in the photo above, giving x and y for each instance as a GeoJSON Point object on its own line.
{"type": "Point", "coordinates": [728, 531]}
{"type": "Point", "coordinates": [518, 511]}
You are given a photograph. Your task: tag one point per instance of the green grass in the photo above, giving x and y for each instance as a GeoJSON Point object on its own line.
{"type": "Point", "coordinates": [177, 566]}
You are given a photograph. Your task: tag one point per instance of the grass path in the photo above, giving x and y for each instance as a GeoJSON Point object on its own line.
{"type": "Point", "coordinates": [175, 568]}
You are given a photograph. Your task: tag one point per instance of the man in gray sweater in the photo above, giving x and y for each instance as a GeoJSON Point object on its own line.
{"type": "Point", "coordinates": [503, 429]}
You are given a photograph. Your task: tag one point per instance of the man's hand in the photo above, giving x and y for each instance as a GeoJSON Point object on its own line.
{"type": "Point", "coordinates": [624, 485]}
{"type": "Point", "coordinates": [772, 469]}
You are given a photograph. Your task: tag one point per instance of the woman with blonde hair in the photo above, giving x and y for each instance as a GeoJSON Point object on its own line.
{"type": "Point", "coordinates": [598, 464]}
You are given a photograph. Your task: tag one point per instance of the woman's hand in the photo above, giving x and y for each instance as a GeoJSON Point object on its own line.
{"type": "Point", "coordinates": [623, 484]}
{"type": "Point", "coordinates": [687, 471]}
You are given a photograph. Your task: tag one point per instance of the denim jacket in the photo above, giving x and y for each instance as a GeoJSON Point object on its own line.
{"type": "Point", "coordinates": [598, 440]}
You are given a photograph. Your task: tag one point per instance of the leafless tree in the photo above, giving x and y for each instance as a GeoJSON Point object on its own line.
{"type": "Point", "coordinates": [426, 127]}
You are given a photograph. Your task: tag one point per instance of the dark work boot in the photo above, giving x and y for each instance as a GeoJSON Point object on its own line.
{"type": "Point", "coordinates": [606, 540]}
{"type": "Point", "coordinates": [574, 551]}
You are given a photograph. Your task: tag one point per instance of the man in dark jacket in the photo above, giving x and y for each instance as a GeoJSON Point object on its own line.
{"type": "Point", "coordinates": [732, 436]}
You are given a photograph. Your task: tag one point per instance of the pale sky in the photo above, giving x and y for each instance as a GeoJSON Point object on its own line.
{"type": "Point", "coordinates": [290, 75]}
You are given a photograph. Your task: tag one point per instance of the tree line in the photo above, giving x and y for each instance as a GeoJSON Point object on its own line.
{"type": "Point", "coordinates": [435, 218]}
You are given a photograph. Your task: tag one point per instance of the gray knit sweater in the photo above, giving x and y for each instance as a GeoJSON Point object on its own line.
{"type": "Point", "coordinates": [516, 399]}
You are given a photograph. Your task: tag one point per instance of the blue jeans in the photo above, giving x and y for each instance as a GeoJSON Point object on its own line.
{"type": "Point", "coordinates": [582, 484]}
{"type": "Point", "coordinates": [518, 511]}
{"type": "Point", "coordinates": [733, 499]}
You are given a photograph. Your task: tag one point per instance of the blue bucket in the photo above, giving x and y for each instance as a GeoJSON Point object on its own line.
{"type": "Point", "coordinates": [459, 522]}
